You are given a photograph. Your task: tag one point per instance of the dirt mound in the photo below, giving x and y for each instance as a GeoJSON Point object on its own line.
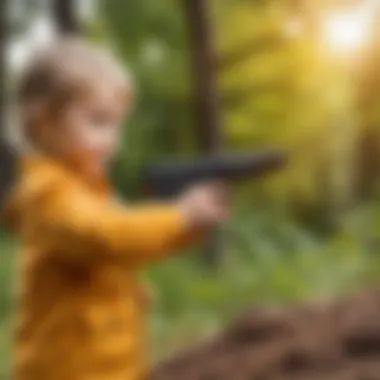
{"type": "Point", "coordinates": [333, 341]}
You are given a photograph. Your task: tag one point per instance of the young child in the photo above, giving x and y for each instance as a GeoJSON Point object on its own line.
{"type": "Point", "coordinates": [82, 305]}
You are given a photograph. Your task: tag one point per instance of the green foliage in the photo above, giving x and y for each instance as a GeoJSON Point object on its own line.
{"type": "Point", "coordinates": [7, 300]}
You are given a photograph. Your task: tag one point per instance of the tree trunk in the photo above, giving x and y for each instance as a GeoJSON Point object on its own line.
{"type": "Point", "coordinates": [208, 126]}
{"type": "Point", "coordinates": [204, 63]}
{"type": "Point", "coordinates": [7, 158]}
{"type": "Point", "coordinates": [65, 16]}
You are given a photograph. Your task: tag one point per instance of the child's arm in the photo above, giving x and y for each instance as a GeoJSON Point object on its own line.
{"type": "Point", "coordinates": [84, 227]}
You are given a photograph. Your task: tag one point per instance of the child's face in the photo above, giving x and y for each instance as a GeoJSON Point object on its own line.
{"type": "Point", "coordinates": [89, 131]}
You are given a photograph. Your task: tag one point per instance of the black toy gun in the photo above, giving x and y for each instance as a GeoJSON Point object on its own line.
{"type": "Point", "coordinates": [168, 179]}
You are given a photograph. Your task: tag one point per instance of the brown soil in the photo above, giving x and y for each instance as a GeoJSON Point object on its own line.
{"type": "Point", "coordinates": [332, 341]}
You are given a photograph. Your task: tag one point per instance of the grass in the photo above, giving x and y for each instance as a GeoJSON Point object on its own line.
{"type": "Point", "coordinates": [7, 261]}
{"type": "Point", "coordinates": [270, 261]}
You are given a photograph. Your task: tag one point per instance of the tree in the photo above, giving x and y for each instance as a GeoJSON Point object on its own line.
{"type": "Point", "coordinates": [7, 157]}
{"type": "Point", "coordinates": [66, 16]}
{"type": "Point", "coordinates": [208, 131]}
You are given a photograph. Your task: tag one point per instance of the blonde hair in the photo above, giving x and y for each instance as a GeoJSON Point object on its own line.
{"type": "Point", "coordinates": [58, 74]}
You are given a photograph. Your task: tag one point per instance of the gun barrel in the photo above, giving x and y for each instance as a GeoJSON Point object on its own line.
{"type": "Point", "coordinates": [166, 179]}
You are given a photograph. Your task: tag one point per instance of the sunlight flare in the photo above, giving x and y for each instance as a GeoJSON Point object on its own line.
{"type": "Point", "coordinates": [347, 31]}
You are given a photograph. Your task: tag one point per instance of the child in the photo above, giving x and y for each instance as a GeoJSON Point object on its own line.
{"type": "Point", "coordinates": [82, 306]}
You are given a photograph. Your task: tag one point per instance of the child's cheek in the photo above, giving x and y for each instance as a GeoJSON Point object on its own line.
{"type": "Point", "coordinates": [102, 143]}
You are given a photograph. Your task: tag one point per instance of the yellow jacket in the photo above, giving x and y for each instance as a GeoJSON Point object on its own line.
{"type": "Point", "coordinates": [82, 315]}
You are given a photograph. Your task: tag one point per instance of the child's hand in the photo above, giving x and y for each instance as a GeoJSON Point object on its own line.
{"type": "Point", "coordinates": [205, 206]}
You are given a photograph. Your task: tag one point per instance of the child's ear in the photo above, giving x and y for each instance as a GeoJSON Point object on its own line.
{"type": "Point", "coordinates": [35, 113]}
{"type": "Point", "coordinates": [38, 119]}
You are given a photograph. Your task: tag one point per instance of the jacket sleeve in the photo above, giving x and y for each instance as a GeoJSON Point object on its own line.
{"type": "Point", "coordinates": [83, 226]}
